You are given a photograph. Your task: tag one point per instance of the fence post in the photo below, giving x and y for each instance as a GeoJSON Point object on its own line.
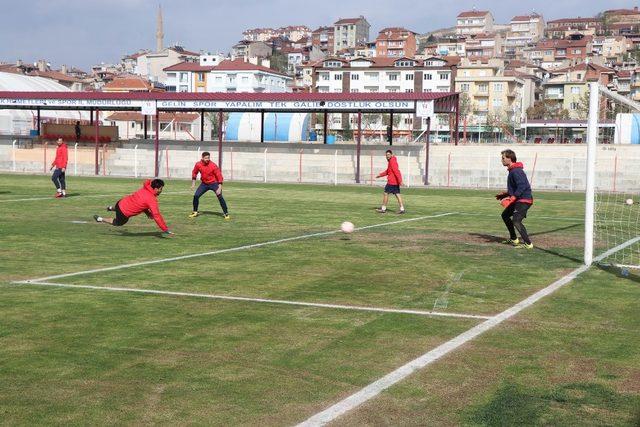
{"type": "Point", "coordinates": [571, 175]}
{"type": "Point", "coordinates": [615, 171]}
{"type": "Point", "coordinates": [535, 162]}
{"type": "Point", "coordinates": [166, 157]}
{"type": "Point", "coordinates": [104, 159]}
{"type": "Point", "coordinates": [488, 170]}
{"type": "Point", "coordinates": [198, 154]}
{"type": "Point", "coordinates": [335, 168]}
{"type": "Point", "coordinates": [44, 146]}
{"type": "Point", "coordinates": [265, 164]}
{"type": "Point", "coordinates": [13, 155]}
{"type": "Point", "coordinates": [75, 159]}
{"type": "Point", "coordinates": [135, 161]}
{"type": "Point", "coordinates": [408, 169]}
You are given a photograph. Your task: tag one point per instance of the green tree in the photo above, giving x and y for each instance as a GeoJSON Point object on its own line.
{"type": "Point", "coordinates": [213, 119]}
{"type": "Point", "coordinates": [279, 62]}
{"type": "Point", "coordinates": [547, 109]}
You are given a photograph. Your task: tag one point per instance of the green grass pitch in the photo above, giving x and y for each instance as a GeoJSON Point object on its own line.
{"type": "Point", "coordinates": [91, 356]}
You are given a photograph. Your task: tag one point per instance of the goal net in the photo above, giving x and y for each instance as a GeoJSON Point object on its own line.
{"type": "Point", "coordinates": [612, 221]}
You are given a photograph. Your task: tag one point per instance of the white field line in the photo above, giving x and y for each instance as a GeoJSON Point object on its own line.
{"type": "Point", "coordinates": [260, 300]}
{"type": "Point", "coordinates": [234, 249]}
{"type": "Point", "coordinates": [85, 197]}
{"type": "Point", "coordinates": [375, 388]}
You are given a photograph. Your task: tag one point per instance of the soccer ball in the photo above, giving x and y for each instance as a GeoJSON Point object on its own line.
{"type": "Point", "coordinates": [347, 227]}
{"type": "Point", "coordinates": [629, 202]}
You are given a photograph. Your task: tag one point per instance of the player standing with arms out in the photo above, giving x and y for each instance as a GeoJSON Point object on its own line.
{"type": "Point", "coordinates": [144, 200]}
{"type": "Point", "coordinates": [394, 181]}
{"type": "Point", "coordinates": [211, 177]}
{"type": "Point", "coordinates": [516, 200]}
{"type": "Point", "coordinates": [60, 165]}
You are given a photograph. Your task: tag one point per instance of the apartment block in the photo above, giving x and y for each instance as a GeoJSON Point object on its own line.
{"type": "Point", "coordinates": [396, 42]}
{"type": "Point", "coordinates": [474, 22]}
{"type": "Point", "coordinates": [350, 32]}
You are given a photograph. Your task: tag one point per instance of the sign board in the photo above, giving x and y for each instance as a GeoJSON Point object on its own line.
{"type": "Point", "coordinates": [149, 108]}
{"type": "Point", "coordinates": [424, 109]}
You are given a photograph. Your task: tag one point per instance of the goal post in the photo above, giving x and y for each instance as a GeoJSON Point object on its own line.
{"type": "Point", "coordinates": [612, 196]}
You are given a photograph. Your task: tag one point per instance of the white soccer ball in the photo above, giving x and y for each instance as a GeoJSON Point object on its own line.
{"type": "Point", "coordinates": [629, 202]}
{"type": "Point", "coordinates": [347, 227]}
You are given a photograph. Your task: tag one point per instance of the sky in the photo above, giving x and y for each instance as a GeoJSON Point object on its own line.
{"type": "Point", "coordinates": [85, 32]}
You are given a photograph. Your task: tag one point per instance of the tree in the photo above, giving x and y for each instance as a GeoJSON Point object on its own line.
{"type": "Point", "coordinates": [583, 106]}
{"type": "Point", "coordinates": [347, 132]}
{"type": "Point", "coordinates": [465, 105]}
{"type": "Point", "coordinates": [547, 109]}
{"type": "Point", "coordinates": [279, 62]}
{"type": "Point", "coordinates": [213, 119]}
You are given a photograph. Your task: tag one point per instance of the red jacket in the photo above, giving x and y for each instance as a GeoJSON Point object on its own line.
{"type": "Point", "coordinates": [394, 177]}
{"type": "Point", "coordinates": [209, 173]}
{"type": "Point", "coordinates": [62, 156]}
{"type": "Point", "coordinates": [143, 200]}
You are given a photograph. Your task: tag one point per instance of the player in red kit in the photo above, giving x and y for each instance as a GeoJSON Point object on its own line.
{"type": "Point", "coordinates": [60, 165]}
{"type": "Point", "coordinates": [394, 181]}
{"type": "Point", "coordinates": [211, 179]}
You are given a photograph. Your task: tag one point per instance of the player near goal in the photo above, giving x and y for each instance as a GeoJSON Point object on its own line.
{"type": "Point", "coordinates": [144, 200]}
{"type": "Point", "coordinates": [211, 179]}
{"type": "Point", "coordinates": [394, 181]}
{"type": "Point", "coordinates": [60, 165]}
{"type": "Point", "coordinates": [516, 200]}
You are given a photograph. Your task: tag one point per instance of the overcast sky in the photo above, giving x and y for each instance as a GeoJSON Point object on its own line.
{"type": "Point", "coordinates": [85, 32]}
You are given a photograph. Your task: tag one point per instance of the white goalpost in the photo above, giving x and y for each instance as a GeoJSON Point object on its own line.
{"type": "Point", "coordinates": [612, 205]}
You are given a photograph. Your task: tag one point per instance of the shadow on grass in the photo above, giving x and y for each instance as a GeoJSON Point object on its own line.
{"type": "Point", "coordinates": [618, 272]}
{"type": "Point", "coordinates": [212, 213]}
{"type": "Point", "coordinates": [568, 227]}
{"type": "Point", "coordinates": [5, 192]}
{"type": "Point", "coordinates": [126, 233]}
{"type": "Point", "coordinates": [497, 239]}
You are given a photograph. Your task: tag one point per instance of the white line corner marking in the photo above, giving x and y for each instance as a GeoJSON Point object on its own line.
{"type": "Point", "coordinates": [376, 387]}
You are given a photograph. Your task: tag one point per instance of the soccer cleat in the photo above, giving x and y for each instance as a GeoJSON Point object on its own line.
{"type": "Point", "coordinates": [110, 208]}
{"type": "Point", "coordinates": [97, 218]}
{"type": "Point", "coordinates": [227, 217]}
{"type": "Point", "coordinates": [513, 242]}
{"type": "Point", "coordinates": [525, 246]}
{"type": "Point", "coordinates": [59, 195]}
{"type": "Point", "coordinates": [400, 212]}
{"type": "Point", "coordinates": [381, 210]}
{"type": "Point", "coordinates": [193, 214]}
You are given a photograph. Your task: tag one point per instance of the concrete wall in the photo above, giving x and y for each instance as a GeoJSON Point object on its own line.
{"type": "Point", "coordinates": [557, 167]}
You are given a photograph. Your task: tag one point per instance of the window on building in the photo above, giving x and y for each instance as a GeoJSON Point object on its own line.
{"type": "Point", "coordinates": [575, 90]}
{"type": "Point", "coordinates": [577, 51]}
{"type": "Point", "coordinates": [464, 87]}
{"type": "Point", "coordinates": [444, 76]}
{"type": "Point", "coordinates": [574, 105]}
{"type": "Point", "coordinates": [428, 76]}
{"type": "Point", "coordinates": [183, 77]}
{"type": "Point", "coordinates": [355, 76]}
{"type": "Point", "coordinates": [497, 102]}
{"type": "Point", "coordinates": [355, 90]}
{"type": "Point", "coordinates": [408, 77]}
{"type": "Point", "coordinates": [483, 87]}
{"type": "Point", "coordinates": [337, 77]}
{"type": "Point", "coordinates": [200, 77]}
{"type": "Point", "coordinates": [324, 76]}
{"type": "Point", "coordinates": [408, 90]}
{"type": "Point", "coordinates": [408, 121]}
{"type": "Point", "coordinates": [498, 87]}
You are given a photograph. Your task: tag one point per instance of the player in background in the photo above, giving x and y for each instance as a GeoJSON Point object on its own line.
{"type": "Point", "coordinates": [516, 200]}
{"type": "Point", "coordinates": [144, 200]}
{"type": "Point", "coordinates": [211, 179]}
{"type": "Point", "coordinates": [60, 165]}
{"type": "Point", "coordinates": [394, 181]}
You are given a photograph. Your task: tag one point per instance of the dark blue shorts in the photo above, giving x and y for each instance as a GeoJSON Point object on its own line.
{"type": "Point", "coordinates": [392, 189]}
{"type": "Point", "coordinates": [203, 188]}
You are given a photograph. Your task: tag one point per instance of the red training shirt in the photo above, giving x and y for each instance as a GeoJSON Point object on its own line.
{"type": "Point", "coordinates": [209, 173]}
{"type": "Point", "coordinates": [394, 177]}
{"type": "Point", "coordinates": [62, 156]}
{"type": "Point", "coordinates": [143, 200]}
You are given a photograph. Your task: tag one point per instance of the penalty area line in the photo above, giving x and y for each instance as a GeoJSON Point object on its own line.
{"type": "Point", "coordinates": [375, 388]}
{"type": "Point", "coordinates": [259, 300]}
{"type": "Point", "coordinates": [234, 249]}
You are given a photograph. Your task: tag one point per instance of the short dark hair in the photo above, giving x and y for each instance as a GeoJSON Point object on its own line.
{"type": "Point", "coordinates": [388, 151]}
{"type": "Point", "coordinates": [206, 153]}
{"type": "Point", "coordinates": [157, 183]}
{"type": "Point", "coordinates": [509, 154]}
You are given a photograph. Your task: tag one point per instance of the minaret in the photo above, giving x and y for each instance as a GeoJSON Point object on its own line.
{"type": "Point", "coordinates": [159, 32]}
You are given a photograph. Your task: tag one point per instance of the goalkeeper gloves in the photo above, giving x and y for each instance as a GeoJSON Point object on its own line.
{"type": "Point", "coordinates": [502, 195]}
{"type": "Point", "coordinates": [507, 201]}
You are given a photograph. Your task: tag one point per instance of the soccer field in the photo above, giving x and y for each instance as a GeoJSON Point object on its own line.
{"type": "Point", "coordinates": [273, 317]}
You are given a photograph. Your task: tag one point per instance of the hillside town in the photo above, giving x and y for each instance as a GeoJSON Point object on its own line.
{"type": "Point", "coordinates": [510, 75]}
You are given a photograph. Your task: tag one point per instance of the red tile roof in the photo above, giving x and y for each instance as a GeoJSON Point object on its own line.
{"type": "Point", "coordinates": [189, 66]}
{"type": "Point", "coordinates": [128, 83]}
{"type": "Point", "coordinates": [54, 75]}
{"type": "Point", "coordinates": [473, 14]}
{"type": "Point", "coordinates": [570, 20]}
{"type": "Point", "coordinates": [524, 18]}
{"type": "Point", "coordinates": [347, 21]}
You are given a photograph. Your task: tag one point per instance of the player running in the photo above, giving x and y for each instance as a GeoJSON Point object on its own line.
{"type": "Point", "coordinates": [394, 181]}
{"type": "Point", "coordinates": [144, 200]}
{"type": "Point", "coordinates": [211, 177]}
{"type": "Point", "coordinates": [60, 165]}
{"type": "Point", "coordinates": [516, 200]}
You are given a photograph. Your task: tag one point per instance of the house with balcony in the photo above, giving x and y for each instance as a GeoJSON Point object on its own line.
{"type": "Point", "coordinates": [241, 76]}
{"type": "Point", "coordinates": [524, 30]}
{"type": "Point", "coordinates": [396, 42]}
{"type": "Point", "coordinates": [559, 53]}
{"type": "Point", "coordinates": [350, 32]}
{"type": "Point", "coordinates": [563, 28]}
{"type": "Point", "coordinates": [322, 38]}
{"type": "Point", "coordinates": [484, 45]}
{"type": "Point", "coordinates": [474, 22]}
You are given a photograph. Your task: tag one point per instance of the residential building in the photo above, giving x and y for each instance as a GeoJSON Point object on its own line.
{"type": "Point", "coordinates": [187, 77]}
{"type": "Point", "coordinates": [259, 34]}
{"type": "Point", "coordinates": [173, 126]}
{"type": "Point", "coordinates": [561, 28]}
{"type": "Point", "coordinates": [246, 49]}
{"type": "Point", "coordinates": [240, 76]}
{"type": "Point", "coordinates": [474, 22]}
{"type": "Point", "coordinates": [450, 47]}
{"type": "Point", "coordinates": [322, 37]}
{"type": "Point", "coordinates": [629, 17]}
{"type": "Point", "coordinates": [152, 64]}
{"type": "Point", "coordinates": [622, 82]}
{"type": "Point", "coordinates": [568, 87]}
{"type": "Point", "coordinates": [524, 30]}
{"type": "Point", "coordinates": [129, 63]}
{"type": "Point", "coordinates": [292, 32]}
{"type": "Point", "coordinates": [72, 83]}
{"type": "Point", "coordinates": [612, 48]}
{"type": "Point", "coordinates": [396, 42]}
{"type": "Point", "coordinates": [484, 45]}
{"type": "Point", "coordinates": [350, 32]}
{"type": "Point", "coordinates": [635, 85]}
{"type": "Point", "coordinates": [366, 50]}
{"type": "Point", "coordinates": [559, 53]}
{"type": "Point", "coordinates": [495, 94]}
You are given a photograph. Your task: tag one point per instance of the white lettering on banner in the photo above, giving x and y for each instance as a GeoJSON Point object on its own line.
{"type": "Point", "coordinates": [145, 105]}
